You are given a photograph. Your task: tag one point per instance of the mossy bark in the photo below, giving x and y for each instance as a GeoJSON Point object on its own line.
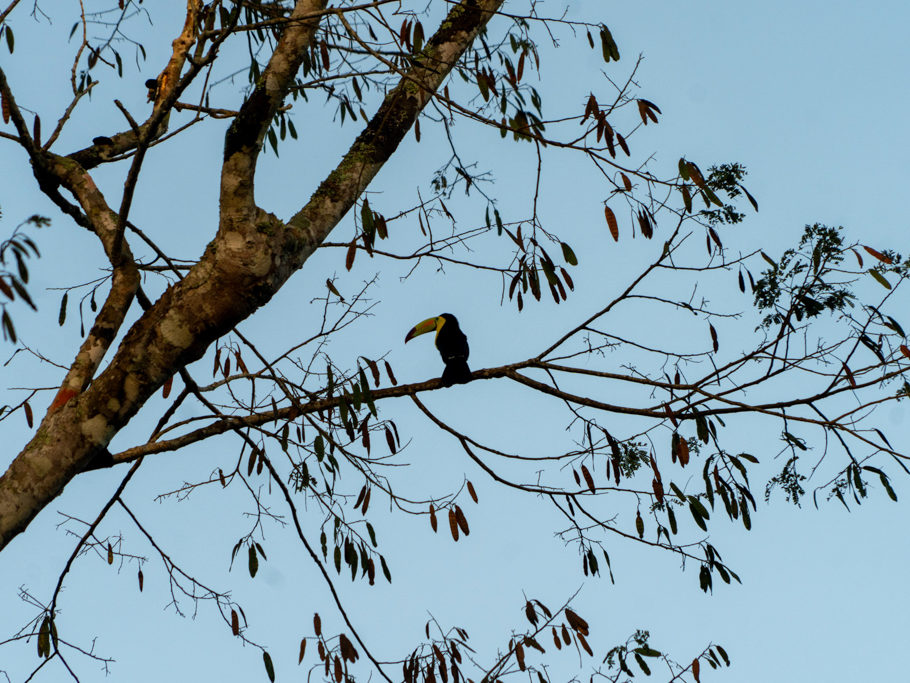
{"type": "Point", "coordinates": [250, 258]}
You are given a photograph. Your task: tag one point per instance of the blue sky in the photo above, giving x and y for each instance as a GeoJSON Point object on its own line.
{"type": "Point", "coordinates": [807, 95]}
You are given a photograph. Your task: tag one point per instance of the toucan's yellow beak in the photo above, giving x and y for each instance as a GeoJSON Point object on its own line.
{"type": "Point", "coordinates": [428, 325]}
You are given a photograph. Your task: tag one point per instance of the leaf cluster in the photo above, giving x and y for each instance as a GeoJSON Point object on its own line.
{"type": "Point", "coordinates": [17, 248]}
{"type": "Point", "coordinates": [804, 283]}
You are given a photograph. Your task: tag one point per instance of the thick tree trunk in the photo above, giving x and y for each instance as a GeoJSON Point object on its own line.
{"type": "Point", "coordinates": [252, 256]}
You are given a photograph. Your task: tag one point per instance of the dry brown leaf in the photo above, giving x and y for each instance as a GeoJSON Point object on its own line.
{"type": "Point", "coordinates": [611, 222]}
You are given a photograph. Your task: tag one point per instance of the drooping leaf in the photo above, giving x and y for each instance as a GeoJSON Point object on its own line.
{"type": "Point", "coordinates": [331, 287]}
{"type": "Point", "coordinates": [253, 563]}
{"type": "Point", "coordinates": [269, 667]}
{"type": "Point", "coordinates": [749, 197]}
{"type": "Point", "coordinates": [577, 623]}
{"type": "Point", "coordinates": [61, 317]}
{"type": "Point", "coordinates": [589, 480]}
{"type": "Point", "coordinates": [874, 273]}
{"type": "Point", "coordinates": [453, 524]}
{"type": "Point", "coordinates": [609, 48]}
{"type": "Point", "coordinates": [849, 374]}
{"type": "Point", "coordinates": [611, 222]}
{"type": "Point", "coordinates": [880, 256]}
{"type": "Point", "coordinates": [44, 638]}
{"type": "Point", "coordinates": [622, 143]}
{"type": "Point", "coordinates": [462, 520]}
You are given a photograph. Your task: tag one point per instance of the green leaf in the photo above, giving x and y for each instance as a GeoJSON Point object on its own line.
{"type": "Point", "coordinates": [20, 290]}
{"type": "Point", "coordinates": [44, 638]}
{"type": "Point", "coordinates": [608, 45]}
{"type": "Point", "coordinates": [482, 85]}
{"type": "Point", "coordinates": [365, 386]}
{"type": "Point", "coordinates": [254, 561]}
{"type": "Point", "coordinates": [605, 46]}
{"type": "Point", "coordinates": [20, 263]}
{"type": "Point", "coordinates": [10, 40]}
{"type": "Point", "coordinates": [894, 325]}
{"type": "Point", "coordinates": [696, 515]}
{"type": "Point", "coordinates": [642, 665]}
{"type": "Point", "coordinates": [366, 217]}
{"type": "Point", "coordinates": [704, 579]}
{"type": "Point", "coordinates": [269, 667]}
{"type": "Point", "coordinates": [887, 484]}
{"type": "Point", "coordinates": [687, 198]}
{"type": "Point", "coordinates": [879, 278]}
{"type": "Point", "coordinates": [357, 396]}
{"type": "Point", "coordinates": [701, 426]}
{"type": "Point", "coordinates": [372, 534]}
{"type": "Point", "coordinates": [795, 441]}
{"type": "Point", "coordinates": [609, 568]}
{"type": "Point", "coordinates": [548, 271]}
{"type": "Point", "coordinates": [749, 197]}
{"type": "Point", "coordinates": [683, 168]}
{"type": "Point", "coordinates": [679, 494]}
{"type": "Point", "coordinates": [62, 317]}
{"type": "Point", "coordinates": [698, 505]}
{"type": "Point", "coordinates": [711, 197]}
{"type": "Point", "coordinates": [9, 332]}
{"type": "Point", "coordinates": [385, 569]}
{"type": "Point", "coordinates": [747, 519]}
{"type": "Point", "coordinates": [568, 254]}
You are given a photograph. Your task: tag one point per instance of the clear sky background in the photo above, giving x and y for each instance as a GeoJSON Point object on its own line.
{"type": "Point", "coordinates": [809, 96]}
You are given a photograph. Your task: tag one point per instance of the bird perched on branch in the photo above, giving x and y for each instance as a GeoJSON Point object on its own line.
{"type": "Point", "coordinates": [452, 345]}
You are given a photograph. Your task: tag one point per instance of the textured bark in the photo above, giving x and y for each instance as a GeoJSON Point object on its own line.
{"type": "Point", "coordinates": [167, 91]}
{"type": "Point", "coordinates": [251, 257]}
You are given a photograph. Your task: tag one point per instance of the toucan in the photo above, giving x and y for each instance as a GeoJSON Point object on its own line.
{"type": "Point", "coordinates": [452, 345]}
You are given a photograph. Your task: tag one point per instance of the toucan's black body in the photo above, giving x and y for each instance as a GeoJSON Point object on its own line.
{"type": "Point", "coordinates": [452, 345]}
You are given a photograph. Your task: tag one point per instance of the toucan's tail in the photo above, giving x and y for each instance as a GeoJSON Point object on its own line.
{"type": "Point", "coordinates": [456, 372]}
